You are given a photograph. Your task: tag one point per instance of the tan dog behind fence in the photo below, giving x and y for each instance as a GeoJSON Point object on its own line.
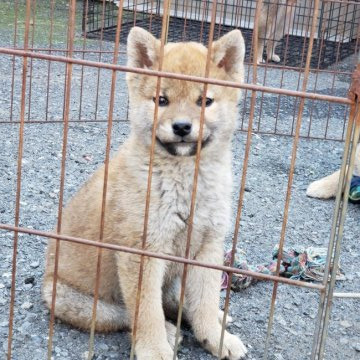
{"type": "Point", "coordinates": [177, 134]}
{"type": "Point", "coordinates": [276, 20]}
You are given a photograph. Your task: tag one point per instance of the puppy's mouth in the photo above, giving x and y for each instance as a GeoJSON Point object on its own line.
{"type": "Point", "coordinates": [183, 148]}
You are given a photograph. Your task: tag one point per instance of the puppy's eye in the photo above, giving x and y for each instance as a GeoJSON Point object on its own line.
{"type": "Point", "coordinates": [208, 101]}
{"type": "Point", "coordinates": [163, 100]}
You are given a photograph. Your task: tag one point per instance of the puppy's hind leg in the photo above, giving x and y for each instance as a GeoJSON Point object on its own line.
{"type": "Point", "coordinates": [76, 308]}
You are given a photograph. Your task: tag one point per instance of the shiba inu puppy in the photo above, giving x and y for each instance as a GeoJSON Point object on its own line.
{"type": "Point", "coordinates": [177, 134]}
{"type": "Point", "coordinates": [327, 187]}
{"type": "Point", "coordinates": [276, 20]}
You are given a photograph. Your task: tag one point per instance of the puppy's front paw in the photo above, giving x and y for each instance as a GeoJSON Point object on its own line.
{"type": "Point", "coordinates": [232, 349]}
{"type": "Point", "coordinates": [160, 352]}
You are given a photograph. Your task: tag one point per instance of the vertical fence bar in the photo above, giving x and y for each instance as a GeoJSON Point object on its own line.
{"type": "Point", "coordinates": [340, 228]}
{"type": "Point", "coordinates": [255, 40]}
{"type": "Point", "coordinates": [352, 137]}
{"type": "Point", "coordinates": [106, 172]}
{"type": "Point", "coordinates": [84, 27]}
{"type": "Point", "coordinates": [185, 12]}
{"type": "Point", "coordinates": [33, 25]}
{"type": "Point", "coordinates": [291, 176]}
{"type": "Point", "coordinates": [18, 180]}
{"type": "Point", "coordinates": [103, 6]}
{"type": "Point", "coordinates": [195, 179]}
{"type": "Point", "coordinates": [303, 56]}
{"type": "Point", "coordinates": [16, 10]}
{"type": "Point", "coordinates": [149, 180]}
{"type": "Point", "coordinates": [52, 7]}
{"type": "Point", "coordinates": [291, 16]}
{"type": "Point", "coordinates": [67, 91]}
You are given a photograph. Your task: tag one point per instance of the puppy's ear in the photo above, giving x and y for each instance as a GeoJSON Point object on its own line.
{"type": "Point", "coordinates": [228, 53]}
{"type": "Point", "coordinates": [142, 48]}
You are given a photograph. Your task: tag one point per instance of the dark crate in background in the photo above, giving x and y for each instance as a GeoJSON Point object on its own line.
{"type": "Point", "coordinates": [336, 36]}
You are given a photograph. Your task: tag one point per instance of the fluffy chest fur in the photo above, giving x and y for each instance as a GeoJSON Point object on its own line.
{"type": "Point", "coordinates": [170, 202]}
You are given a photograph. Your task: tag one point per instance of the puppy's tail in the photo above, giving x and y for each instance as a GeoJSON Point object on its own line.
{"type": "Point", "coordinates": [76, 308]}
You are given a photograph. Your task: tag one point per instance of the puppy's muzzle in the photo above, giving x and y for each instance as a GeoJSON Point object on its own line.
{"type": "Point", "coordinates": [184, 144]}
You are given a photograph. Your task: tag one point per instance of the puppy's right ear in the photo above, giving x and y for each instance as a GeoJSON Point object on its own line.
{"type": "Point", "coordinates": [228, 53]}
{"type": "Point", "coordinates": [142, 48]}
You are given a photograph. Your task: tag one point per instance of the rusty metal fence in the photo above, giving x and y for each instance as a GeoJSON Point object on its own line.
{"type": "Point", "coordinates": [301, 95]}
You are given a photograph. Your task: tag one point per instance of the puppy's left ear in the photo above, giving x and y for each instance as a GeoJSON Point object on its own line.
{"type": "Point", "coordinates": [142, 48]}
{"type": "Point", "coordinates": [228, 53]}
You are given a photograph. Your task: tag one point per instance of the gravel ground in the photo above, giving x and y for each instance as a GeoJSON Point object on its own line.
{"type": "Point", "coordinates": [309, 219]}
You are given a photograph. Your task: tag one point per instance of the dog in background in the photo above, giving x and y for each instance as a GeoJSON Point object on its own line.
{"type": "Point", "coordinates": [276, 20]}
{"type": "Point", "coordinates": [327, 187]}
{"type": "Point", "coordinates": [177, 135]}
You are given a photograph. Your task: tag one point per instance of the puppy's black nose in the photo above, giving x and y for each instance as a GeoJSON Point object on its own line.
{"type": "Point", "coordinates": [182, 128]}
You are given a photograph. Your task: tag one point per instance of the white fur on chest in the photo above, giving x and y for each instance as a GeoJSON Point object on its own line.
{"type": "Point", "coordinates": [170, 207]}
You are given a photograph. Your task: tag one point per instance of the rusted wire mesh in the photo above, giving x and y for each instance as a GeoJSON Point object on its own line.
{"type": "Point", "coordinates": [281, 117]}
{"type": "Point", "coordinates": [73, 69]}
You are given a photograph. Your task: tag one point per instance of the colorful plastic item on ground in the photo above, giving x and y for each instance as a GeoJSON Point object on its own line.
{"type": "Point", "coordinates": [354, 193]}
{"type": "Point", "coordinates": [298, 264]}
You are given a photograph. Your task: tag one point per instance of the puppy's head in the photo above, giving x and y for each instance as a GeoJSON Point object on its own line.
{"type": "Point", "coordinates": [179, 102]}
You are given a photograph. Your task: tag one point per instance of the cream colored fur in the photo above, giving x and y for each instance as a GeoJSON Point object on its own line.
{"type": "Point", "coordinates": [327, 187]}
{"type": "Point", "coordinates": [171, 190]}
{"type": "Point", "coordinates": [276, 20]}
